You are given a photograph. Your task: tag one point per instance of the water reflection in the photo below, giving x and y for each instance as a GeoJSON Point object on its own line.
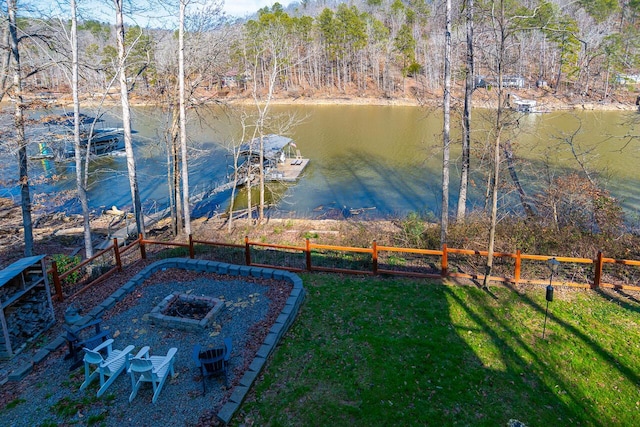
{"type": "Point", "coordinates": [378, 161]}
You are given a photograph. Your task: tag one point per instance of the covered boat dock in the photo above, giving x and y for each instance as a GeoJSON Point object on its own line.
{"type": "Point", "coordinates": [282, 158]}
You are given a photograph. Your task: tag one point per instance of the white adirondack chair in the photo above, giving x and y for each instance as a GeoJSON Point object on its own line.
{"type": "Point", "coordinates": [115, 362]}
{"type": "Point", "coordinates": [153, 369]}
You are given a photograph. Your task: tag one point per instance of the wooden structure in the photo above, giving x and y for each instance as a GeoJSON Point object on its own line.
{"type": "Point", "coordinates": [60, 145]}
{"type": "Point", "coordinates": [287, 171]}
{"type": "Point", "coordinates": [375, 260]}
{"type": "Point", "coordinates": [151, 369]}
{"type": "Point", "coordinates": [88, 335]}
{"type": "Point", "coordinates": [213, 362]}
{"type": "Point", "coordinates": [279, 162]}
{"type": "Point", "coordinates": [26, 309]}
{"type": "Point", "coordinates": [521, 105]}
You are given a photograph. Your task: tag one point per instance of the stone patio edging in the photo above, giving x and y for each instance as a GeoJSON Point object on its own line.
{"type": "Point", "coordinates": [278, 329]}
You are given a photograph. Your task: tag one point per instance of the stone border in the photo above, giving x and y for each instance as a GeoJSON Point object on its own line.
{"type": "Point", "coordinates": [278, 329]}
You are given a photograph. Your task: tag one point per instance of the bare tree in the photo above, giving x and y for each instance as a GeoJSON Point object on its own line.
{"type": "Point", "coordinates": [80, 187]}
{"type": "Point", "coordinates": [6, 59]}
{"type": "Point", "coordinates": [268, 46]}
{"type": "Point", "coordinates": [500, 34]}
{"type": "Point", "coordinates": [466, 118]}
{"type": "Point", "coordinates": [236, 175]}
{"type": "Point", "coordinates": [82, 148]}
{"type": "Point", "coordinates": [446, 132]}
{"type": "Point", "coordinates": [183, 123]}
{"type": "Point", "coordinates": [21, 142]}
{"type": "Point", "coordinates": [183, 75]}
{"type": "Point", "coordinates": [173, 177]}
{"type": "Point", "coordinates": [126, 118]}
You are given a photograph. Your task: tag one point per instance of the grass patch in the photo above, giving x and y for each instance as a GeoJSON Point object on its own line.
{"type": "Point", "coordinates": [14, 403]}
{"type": "Point", "coordinates": [407, 352]}
{"type": "Point", "coordinates": [68, 407]}
{"type": "Point", "coordinates": [177, 252]}
{"type": "Point", "coordinates": [96, 419]}
{"type": "Point", "coordinates": [344, 260]}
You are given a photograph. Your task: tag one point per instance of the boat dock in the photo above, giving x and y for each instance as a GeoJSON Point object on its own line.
{"type": "Point", "coordinates": [521, 105]}
{"type": "Point", "coordinates": [281, 159]}
{"type": "Point", "coordinates": [287, 171]}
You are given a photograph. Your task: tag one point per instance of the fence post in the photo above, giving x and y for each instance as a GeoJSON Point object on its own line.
{"type": "Point", "coordinates": [247, 251]}
{"type": "Point", "coordinates": [192, 251]}
{"type": "Point", "coordinates": [143, 251]}
{"type": "Point", "coordinates": [307, 254]}
{"type": "Point", "coordinates": [374, 246]}
{"type": "Point", "coordinates": [444, 267]}
{"type": "Point", "coordinates": [56, 281]}
{"type": "Point", "coordinates": [516, 273]}
{"type": "Point", "coordinates": [116, 253]}
{"type": "Point", "coordinates": [597, 274]}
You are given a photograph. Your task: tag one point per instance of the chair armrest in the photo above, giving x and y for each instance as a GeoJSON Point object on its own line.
{"type": "Point", "coordinates": [75, 330]}
{"type": "Point", "coordinates": [92, 323]}
{"type": "Point", "coordinates": [93, 341]}
{"type": "Point", "coordinates": [168, 358]}
{"type": "Point", "coordinates": [106, 344]}
{"type": "Point", "coordinates": [195, 355]}
{"type": "Point", "coordinates": [144, 351]}
{"type": "Point", "coordinates": [227, 348]}
{"type": "Point", "coordinates": [73, 333]}
{"type": "Point", "coordinates": [124, 353]}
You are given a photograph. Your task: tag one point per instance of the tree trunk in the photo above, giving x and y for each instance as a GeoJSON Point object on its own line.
{"type": "Point", "coordinates": [80, 188]}
{"type": "Point", "coordinates": [249, 186]}
{"type": "Point", "coordinates": [126, 120]}
{"type": "Point", "coordinates": [173, 178]}
{"type": "Point", "coordinates": [262, 187]}
{"type": "Point", "coordinates": [494, 209]}
{"type": "Point", "coordinates": [18, 102]}
{"type": "Point", "coordinates": [500, 37]}
{"type": "Point", "coordinates": [183, 125]}
{"type": "Point", "coordinates": [236, 154]}
{"type": "Point", "coordinates": [559, 76]}
{"type": "Point", "coordinates": [6, 62]}
{"type": "Point", "coordinates": [466, 120]}
{"type": "Point", "coordinates": [444, 219]}
{"type": "Point", "coordinates": [172, 199]}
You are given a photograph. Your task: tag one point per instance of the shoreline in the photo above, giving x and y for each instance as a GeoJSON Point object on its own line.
{"type": "Point", "coordinates": [483, 98]}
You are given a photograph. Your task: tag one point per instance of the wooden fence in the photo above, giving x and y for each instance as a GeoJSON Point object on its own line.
{"type": "Point", "coordinates": [115, 264]}
{"type": "Point", "coordinates": [377, 260]}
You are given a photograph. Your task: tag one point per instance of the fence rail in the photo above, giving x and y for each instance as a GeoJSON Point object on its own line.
{"type": "Point", "coordinates": [376, 260]}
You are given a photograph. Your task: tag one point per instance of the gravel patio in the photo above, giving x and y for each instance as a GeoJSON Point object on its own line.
{"type": "Point", "coordinates": [258, 307]}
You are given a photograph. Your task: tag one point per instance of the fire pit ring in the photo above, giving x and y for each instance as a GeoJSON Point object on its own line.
{"type": "Point", "coordinates": [202, 312]}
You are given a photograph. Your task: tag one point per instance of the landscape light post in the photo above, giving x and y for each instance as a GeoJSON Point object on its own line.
{"type": "Point", "coordinates": [553, 266]}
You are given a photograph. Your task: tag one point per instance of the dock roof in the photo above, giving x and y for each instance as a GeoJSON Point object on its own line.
{"type": "Point", "coordinates": [273, 145]}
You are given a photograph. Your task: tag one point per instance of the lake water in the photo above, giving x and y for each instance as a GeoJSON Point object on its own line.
{"type": "Point", "coordinates": [382, 160]}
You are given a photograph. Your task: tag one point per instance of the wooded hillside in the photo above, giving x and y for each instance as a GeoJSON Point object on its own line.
{"type": "Point", "coordinates": [372, 48]}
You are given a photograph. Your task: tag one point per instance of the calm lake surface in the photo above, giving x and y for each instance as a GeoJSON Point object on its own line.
{"type": "Point", "coordinates": [381, 160]}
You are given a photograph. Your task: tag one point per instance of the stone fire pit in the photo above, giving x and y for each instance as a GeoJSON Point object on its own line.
{"type": "Point", "coordinates": [187, 312]}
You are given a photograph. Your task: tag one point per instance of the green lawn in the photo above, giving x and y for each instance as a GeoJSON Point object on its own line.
{"type": "Point", "coordinates": [408, 352]}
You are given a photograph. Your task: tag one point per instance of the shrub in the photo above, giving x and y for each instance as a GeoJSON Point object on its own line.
{"type": "Point", "coordinates": [310, 235]}
{"type": "Point", "coordinates": [66, 263]}
{"type": "Point", "coordinates": [412, 228]}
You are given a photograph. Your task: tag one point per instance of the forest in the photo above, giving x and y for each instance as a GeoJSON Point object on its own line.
{"type": "Point", "coordinates": [375, 48]}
